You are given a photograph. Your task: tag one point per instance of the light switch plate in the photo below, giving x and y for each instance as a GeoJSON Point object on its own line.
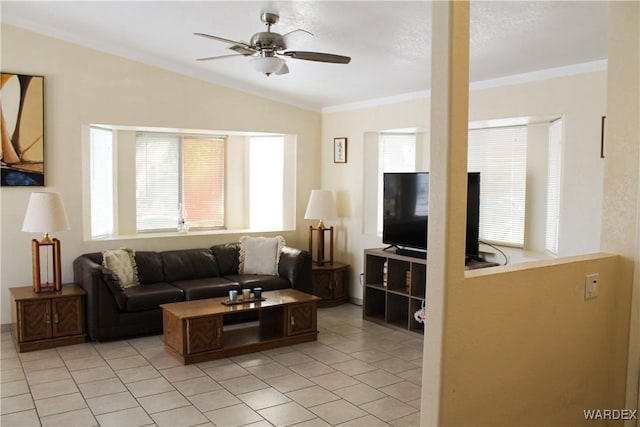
{"type": "Point", "coordinates": [591, 286]}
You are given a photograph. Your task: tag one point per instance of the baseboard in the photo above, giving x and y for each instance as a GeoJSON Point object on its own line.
{"type": "Point", "coordinates": [356, 301]}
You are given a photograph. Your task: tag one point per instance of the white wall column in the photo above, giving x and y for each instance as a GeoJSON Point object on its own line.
{"type": "Point", "coordinates": [447, 208]}
{"type": "Point", "coordinates": [621, 207]}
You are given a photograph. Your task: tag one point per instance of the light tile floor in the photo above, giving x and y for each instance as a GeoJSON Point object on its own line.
{"type": "Point", "coordinates": [358, 373]}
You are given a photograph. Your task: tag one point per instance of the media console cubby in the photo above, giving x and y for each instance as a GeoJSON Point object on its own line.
{"type": "Point", "coordinates": [394, 302]}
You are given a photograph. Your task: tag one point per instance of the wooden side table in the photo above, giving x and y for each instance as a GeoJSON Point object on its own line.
{"type": "Point", "coordinates": [330, 282]}
{"type": "Point", "coordinates": [47, 319]}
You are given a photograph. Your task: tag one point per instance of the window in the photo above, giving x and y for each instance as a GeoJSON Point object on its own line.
{"type": "Point", "coordinates": [101, 159]}
{"type": "Point", "coordinates": [144, 180]}
{"type": "Point", "coordinates": [179, 170]}
{"type": "Point", "coordinates": [500, 155]}
{"type": "Point", "coordinates": [396, 153]}
{"type": "Point", "coordinates": [266, 188]}
{"type": "Point", "coordinates": [554, 162]}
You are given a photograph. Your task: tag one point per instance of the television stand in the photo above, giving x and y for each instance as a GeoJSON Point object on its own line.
{"type": "Point", "coordinates": [394, 300]}
{"type": "Point", "coordinates": [411, 253]}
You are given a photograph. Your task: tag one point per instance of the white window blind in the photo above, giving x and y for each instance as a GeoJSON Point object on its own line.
{"type": "Point", "coordinates": [266, 182]}
{"type": "Point", "coordinates": [554, 171]}
{"type": "Point", "coordinates": [500, 155]}
{"type": "Point", "coordinates": [172, 170]}
{"type": "Point", "coordinates": [102, 196]}
{"type": "Point", "coordinates": [396, 153]}
{"type": "Point", "coordinates": [157, 181]}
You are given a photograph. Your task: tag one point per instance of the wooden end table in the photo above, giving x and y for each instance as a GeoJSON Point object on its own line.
{"type": "Point", "coordinates": [330, 282]}
{"type": "Point", "coordinates": [47, 319]}
{"type": "Point", "coordinates": [193, 330]}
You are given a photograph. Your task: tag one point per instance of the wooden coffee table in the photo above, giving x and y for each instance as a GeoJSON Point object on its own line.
{"type": "Point", "coordinates": [193, 330]}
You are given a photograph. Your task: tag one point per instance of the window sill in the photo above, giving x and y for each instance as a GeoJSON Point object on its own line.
{"type": "Point", "coordinates": [172, 234]}
{"type": "Point", "coordinates": [514, 255]}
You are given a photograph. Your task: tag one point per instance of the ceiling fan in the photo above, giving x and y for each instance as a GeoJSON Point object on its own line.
{"type": "Point", "coordinates": [268, 49]}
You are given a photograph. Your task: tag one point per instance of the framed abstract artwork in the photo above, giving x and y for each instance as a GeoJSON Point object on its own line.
{"type": "Point", "coordinates": [22, 114]}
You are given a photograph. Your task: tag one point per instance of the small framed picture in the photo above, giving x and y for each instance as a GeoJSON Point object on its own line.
{"type": "Point", "coordinates": [339, 150]}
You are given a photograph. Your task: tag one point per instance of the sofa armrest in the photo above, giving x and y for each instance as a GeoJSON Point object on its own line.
{"type": "Point", "coordinates": [295, 266]}
{"type": "Point", "coordinates": [100, 306]}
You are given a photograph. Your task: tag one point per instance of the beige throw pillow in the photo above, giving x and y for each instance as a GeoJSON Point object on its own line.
{"type": "Point", "coordinates": [260, 255]}
{"type": "Point", "coordinates": [123, 263]}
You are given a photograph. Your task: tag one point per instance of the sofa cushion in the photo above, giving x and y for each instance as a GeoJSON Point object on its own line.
{"type": "Point", "coordinates": [189, 264]}
{"type": "Point", "coordinates": [122, 263]}
{"type": "Point", "coordinates": [150, 296]}
{"type": "Point", "coordinates": [260, 255]}
{"type": "Point", "coordinates": [264, 281]}
{"type": "Point", "coordinates": [149, 267]}
{"type": "Point", "coordinates": [210, 287]}
{"type": "Point", "coordinates": [228, 258]}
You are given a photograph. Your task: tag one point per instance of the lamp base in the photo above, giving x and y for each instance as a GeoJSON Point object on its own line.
{"type": "Point", "coordinates": [38, 286]}
{"type": "Point", "coordinates": [321, 230]}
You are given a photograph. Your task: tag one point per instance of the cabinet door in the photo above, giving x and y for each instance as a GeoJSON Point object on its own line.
{"type": "Point", "coordinates": [302, 318]}
{"type": "Point", "coordinates": [34, 319]}
{"type": "Point", "coordinates": [322, 284]}
{"type": "Point", "coordinates": [67, 316]}
{"type": "Point", "coordinates": [204, 334]}
{"type": "Point", "coordinates": [340, 284]}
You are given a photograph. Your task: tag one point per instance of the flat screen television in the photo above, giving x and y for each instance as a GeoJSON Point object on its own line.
{"type": "Point", "coordinates": [406, 212]}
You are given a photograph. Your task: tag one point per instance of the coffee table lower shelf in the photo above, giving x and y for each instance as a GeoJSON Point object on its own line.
{"type": "Point", "coordinates": [193, 331]}
{"type": "Point", "coordinates": [241, 343]}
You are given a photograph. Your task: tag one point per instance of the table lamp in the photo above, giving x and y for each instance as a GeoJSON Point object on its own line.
{"type": "Point", "coordinates": [321, 207]}
{"type": "Point", "coordinates": [45, 213]}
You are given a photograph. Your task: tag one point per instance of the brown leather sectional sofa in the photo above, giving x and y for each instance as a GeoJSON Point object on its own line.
{"type": "Point", "coordinates": [173, 276]}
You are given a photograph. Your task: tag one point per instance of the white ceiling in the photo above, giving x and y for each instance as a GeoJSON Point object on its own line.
{"type": "Point", "coordinates": [388, 41]}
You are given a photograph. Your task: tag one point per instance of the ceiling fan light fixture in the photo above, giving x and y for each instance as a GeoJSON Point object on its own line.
{"type": "Point", "coordinates": [268, 49]}
{"type": "Point", "coordinates": [268, 64]}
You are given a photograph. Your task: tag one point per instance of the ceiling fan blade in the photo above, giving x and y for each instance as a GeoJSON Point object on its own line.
{"type": "Point", "coordinates": [222, 39]}
{"type": "Point", "coordinates": [243, 49]}
{"type": "Point", "coordinates": [296, 38]}
{"type": "Point", "coordinates": [209, 58]}
{"type": "Point", "coordinates": [283, 70]}
{"type": "Point", "coordinates": [319, 57]}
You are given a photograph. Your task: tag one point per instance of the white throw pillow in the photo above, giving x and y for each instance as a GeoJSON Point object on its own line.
{"type": "Point", "coordinates": [123, 263]}
{"type": "Point", "coordinates": [260, 255]}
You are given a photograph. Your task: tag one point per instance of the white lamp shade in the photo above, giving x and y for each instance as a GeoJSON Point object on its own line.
{"type": "Point", "coordinates": [45, 213]}
{"type": "Point", "coordinates": [321, 205]}
{"type": "Point", "coordinates": [267, 64]}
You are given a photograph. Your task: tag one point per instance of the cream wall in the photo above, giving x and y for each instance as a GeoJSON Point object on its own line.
{"type": "Point", "coordinates": [82, 87]}
{"type": "Point", "coordinates": [523, 347]}
{"type": "Point", "coordinates": [580, 99]}
{"type": "Point", "coordinates": [347, 181]}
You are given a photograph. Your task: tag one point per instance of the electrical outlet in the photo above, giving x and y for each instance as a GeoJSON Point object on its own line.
{"type": "Point", "coordinates": [591, 286]}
